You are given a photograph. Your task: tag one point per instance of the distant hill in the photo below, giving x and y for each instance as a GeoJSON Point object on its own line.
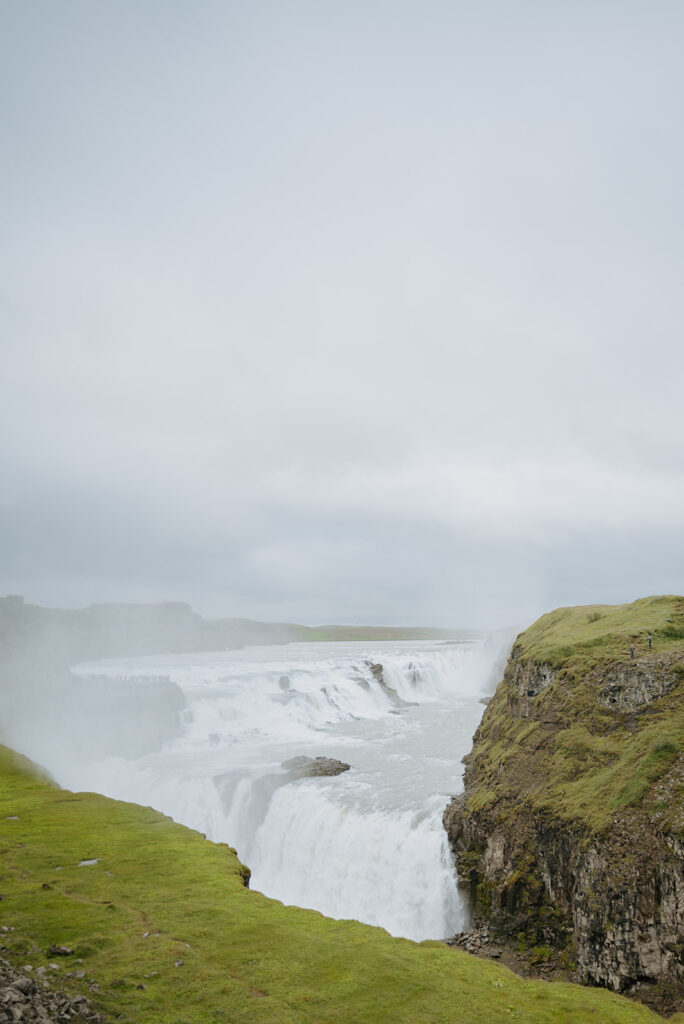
{"type": "Point", "coordinates": [59, 637]}
{"type": "Point", "coordinates": [40, 698]}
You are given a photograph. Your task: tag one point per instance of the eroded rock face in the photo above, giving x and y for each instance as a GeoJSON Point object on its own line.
{"type": "Point", "coordinates": [631, 932]}
{"type": "Point", "coordinates": [617, 904]}
{"type": "Point", "coordinates": [632, 686]}
{"type": "Point", "coordinates": [529, 678]}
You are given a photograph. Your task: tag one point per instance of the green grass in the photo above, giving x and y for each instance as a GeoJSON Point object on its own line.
{"type": "Point", "coordinates": [578, 639]}
{"type": "Point", "coordinates": [215, 951]}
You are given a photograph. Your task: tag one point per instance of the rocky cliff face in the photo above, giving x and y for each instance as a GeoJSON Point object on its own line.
{"type": "Point", "coordinates": [570, 831]}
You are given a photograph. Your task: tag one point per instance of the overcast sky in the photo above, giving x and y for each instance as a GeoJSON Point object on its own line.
{"type": "Point", "coordinates": [355, 311]}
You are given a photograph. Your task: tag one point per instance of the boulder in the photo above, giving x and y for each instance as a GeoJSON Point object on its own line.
{"type": "Point", "coordinates": [303, 767]}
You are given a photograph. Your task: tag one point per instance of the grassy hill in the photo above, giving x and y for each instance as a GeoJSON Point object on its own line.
{"type": "Point", "coordinates": [51, 638]}
{"type": "Point", "coordinates": [165, 931]}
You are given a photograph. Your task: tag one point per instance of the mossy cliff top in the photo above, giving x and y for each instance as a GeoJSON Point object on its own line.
{"type": "Point", "coordinates": [162, 929]}
{"type": "Point", "coordinates": [579, 728]}
{"type": "Point", "coordinates": [581, 638]}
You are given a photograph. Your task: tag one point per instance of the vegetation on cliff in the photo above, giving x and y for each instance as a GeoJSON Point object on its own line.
{"type": "Point", "coordinates": [157, 925]}
{"type": "Point", "coordinates": [572, 824]}
{"type": "Point", "coordinates": [572, 748]}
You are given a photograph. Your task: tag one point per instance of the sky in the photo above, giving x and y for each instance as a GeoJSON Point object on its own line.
{"type": "Point", "coordinates": [342, 312]}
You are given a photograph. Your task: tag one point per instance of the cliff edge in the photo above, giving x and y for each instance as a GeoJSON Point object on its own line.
{"type": "Point", "coordinates": [570, 831]}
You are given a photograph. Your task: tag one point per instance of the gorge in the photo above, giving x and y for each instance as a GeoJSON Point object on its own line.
{"type": "Point", "coordinates": [328, 765]}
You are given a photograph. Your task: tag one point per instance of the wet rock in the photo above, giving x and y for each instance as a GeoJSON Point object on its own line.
{"type": "Point", "coordinates": [378, 673]}
{"type": "Point", "coordinates": [311, 767]}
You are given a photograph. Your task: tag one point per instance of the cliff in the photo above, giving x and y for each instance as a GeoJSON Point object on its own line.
{"type": "Point", "coordinates": [570, 830]}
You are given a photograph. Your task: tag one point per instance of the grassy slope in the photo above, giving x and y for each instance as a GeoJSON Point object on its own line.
{"type": "Point", "coordinates": [574, 758]}
{"type": "Point", "coordinates": [244, 958]}
{"type": "Point", "coordinates": [582, 637]}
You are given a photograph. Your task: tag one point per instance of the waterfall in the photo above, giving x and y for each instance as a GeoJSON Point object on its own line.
{"type": "Point", "coordinates": [365, 844]}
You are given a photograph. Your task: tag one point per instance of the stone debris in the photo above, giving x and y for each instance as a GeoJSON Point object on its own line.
{"type": "Point", "coordinates": [30, 1001]}
{"type": "Point", "coordinates": [476, 940]}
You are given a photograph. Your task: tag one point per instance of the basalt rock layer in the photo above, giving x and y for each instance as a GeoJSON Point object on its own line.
{"type": "Point", "coordinates": [570, 831]}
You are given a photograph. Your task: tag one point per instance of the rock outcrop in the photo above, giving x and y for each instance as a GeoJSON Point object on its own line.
{"type": "Point", "coordinates": [570, 833]}
{"type": "Point", "coordinates": [311, 767]}
{"type": "Point", "coordinates": [631, 686]}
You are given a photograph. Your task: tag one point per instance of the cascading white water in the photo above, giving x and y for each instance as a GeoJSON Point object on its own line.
{"type": "Point", "coordinates": [367, 844]}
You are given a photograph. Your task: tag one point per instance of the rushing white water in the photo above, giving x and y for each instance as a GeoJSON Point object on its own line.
{"type": "Point", "coordinates": [367, 844]}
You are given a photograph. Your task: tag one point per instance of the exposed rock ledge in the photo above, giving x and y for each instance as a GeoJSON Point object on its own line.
{"type": "Point", "coordinates": [591, 877]}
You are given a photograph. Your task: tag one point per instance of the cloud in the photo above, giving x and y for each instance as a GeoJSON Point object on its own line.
{"type": "Point", "coordinates": [341, 314]}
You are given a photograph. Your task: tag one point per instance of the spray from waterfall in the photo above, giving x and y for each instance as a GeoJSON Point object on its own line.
{"type": "Point", "coordinates": [367, 843]}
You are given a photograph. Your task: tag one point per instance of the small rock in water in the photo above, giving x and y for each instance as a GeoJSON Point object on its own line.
{"type": "Point", "coordinates": [311, 767]}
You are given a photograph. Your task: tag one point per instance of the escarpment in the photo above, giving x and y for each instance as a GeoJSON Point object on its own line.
{"type": "Point", "coordinates": [570, 832]}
